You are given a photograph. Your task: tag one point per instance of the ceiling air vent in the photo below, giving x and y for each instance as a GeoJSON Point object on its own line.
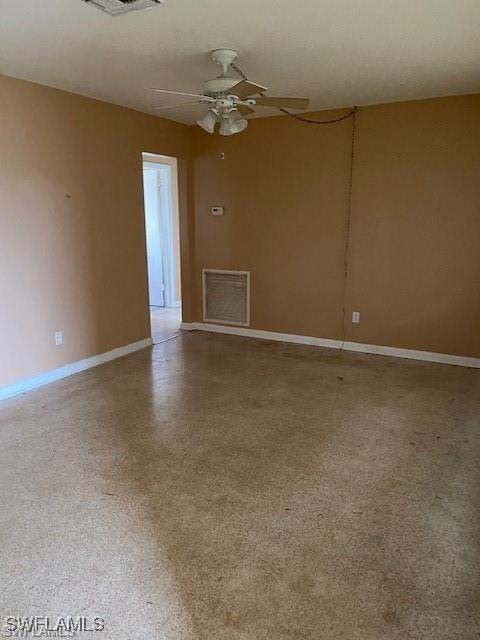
{"type": "Point", "coordinates": [226, 297]}
{"type": "Point", "coordinates": [117, 7]}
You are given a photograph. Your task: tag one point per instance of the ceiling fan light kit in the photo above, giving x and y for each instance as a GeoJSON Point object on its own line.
{"type": "Point", "coordinates": [230, 122]}
{"type": "Point", "coordinates": [233, 123]}
{"type": "Point", "coordinates": [230, 99]}
{"type": "Point", "coordinates": [208, 122]}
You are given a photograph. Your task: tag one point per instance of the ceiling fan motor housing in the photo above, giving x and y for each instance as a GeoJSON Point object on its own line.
{"type": "Point", "coordinates": [223, 84]}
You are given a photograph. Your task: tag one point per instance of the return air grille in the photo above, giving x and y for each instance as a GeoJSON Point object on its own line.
{"type": "Point", "coordinates": [226, 297]}
{"type": "Point", "coordinates": [117, 7]}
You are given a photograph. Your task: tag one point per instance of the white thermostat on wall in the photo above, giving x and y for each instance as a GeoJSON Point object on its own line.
{"type": "Point", "coordinates": [217, 211]}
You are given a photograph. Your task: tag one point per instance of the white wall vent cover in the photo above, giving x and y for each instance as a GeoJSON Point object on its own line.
{"type": "Point", "coordinates": [117, 7]}
{"type": "Point", "coordinates": [226, 297]}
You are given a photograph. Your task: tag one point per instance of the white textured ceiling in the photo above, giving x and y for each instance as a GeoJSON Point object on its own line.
{"type": "Point", "coordinates": [338, 53]}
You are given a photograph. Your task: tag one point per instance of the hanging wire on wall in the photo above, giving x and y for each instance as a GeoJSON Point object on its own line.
{"type": "Point", "coordinates": [351, 114]}
{"type": "Point", "coordinates": [310, 121]}
{"type": "Point", "coordinates": [349, 217]}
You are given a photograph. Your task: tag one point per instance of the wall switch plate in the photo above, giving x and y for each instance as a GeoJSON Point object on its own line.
{"type": "Point", "coordinates": [356, 317]}
{"type": "Point", "coordinates": [217, 211]}
{"type": "Point", "coordinates": [58, 335]}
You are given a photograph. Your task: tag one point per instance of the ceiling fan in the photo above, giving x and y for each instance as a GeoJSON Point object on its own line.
{"type": "Point", "coordinates": [229, 99]}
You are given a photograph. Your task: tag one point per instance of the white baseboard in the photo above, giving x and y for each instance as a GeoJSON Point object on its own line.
{"type": "Point", "coordinates": [87, 363]}
{"type": "Point", "coordinates": [412, 354]}
{"type": "Point", "coordinates": [427, 356]}
{"type": "Point", "coordinates": [70, 369]}
{"type": "Point", "coordinates": [264, 335]}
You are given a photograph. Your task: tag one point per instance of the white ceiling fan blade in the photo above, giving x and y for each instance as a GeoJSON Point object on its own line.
{"type": "Point", "coordinates": [182, 93]}
{"type": "Point", "coordinates": [181, 104]}
{"type": "Point", "coordinates": [245, 88]}
{"type": "Point", "coordinates": [244, 110]}
{"type": "Point", "coordinates": [283, 103]}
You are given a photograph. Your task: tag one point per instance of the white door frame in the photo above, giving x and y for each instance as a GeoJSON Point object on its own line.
{"type": "Point", "coordinates": [154, 232]}
{"type": "Point", "coordinates": [166, 177]}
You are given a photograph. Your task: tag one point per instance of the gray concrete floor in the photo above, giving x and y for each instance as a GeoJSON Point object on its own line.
{"type": "Point", "coordinates": [216, 487]}
{"type": "Point", "coordinates": [165, 323]}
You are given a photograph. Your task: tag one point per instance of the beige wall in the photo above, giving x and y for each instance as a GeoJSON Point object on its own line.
{"type": "Point", "coordinates": [283, 189]}
{"type": "Point", "coordinates": [415, 251]}
{"type": "Point", "coordinates": [72, 235]}
{"type": "Point", "coordinates": [414, 259]}
{"type": "Point", "coordinates": [72, 225]}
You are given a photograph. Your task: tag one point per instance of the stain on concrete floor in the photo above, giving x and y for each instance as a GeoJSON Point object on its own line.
{"type": "Point", "coordinates": [216, 487]}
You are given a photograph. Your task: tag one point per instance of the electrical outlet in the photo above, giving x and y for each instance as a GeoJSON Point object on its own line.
{"type": "Point", "coordinates": [58, 335]}
{"type": "Point", "coordinates": [356, 317]}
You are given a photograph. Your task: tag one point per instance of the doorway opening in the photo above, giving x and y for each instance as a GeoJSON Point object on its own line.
{"type": "Point", "coordinates": [160, 189]}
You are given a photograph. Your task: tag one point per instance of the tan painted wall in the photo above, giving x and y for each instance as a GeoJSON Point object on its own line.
{"type": "Point", "coordinates": [72, 225]}
{"type": "Point", "coordinates": [414, 260]}
{"type": "Point", "coordinates": [283, 189]}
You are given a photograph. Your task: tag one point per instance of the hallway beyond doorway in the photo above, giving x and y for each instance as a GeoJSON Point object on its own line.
{"type": "Point", "coordinates": [165, 323]}
{"type": "Point", "coordinates": [160, 182]}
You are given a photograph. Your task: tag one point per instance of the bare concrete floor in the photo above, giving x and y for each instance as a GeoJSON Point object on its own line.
{"type": "Point", "coordinates": [220, 487]}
